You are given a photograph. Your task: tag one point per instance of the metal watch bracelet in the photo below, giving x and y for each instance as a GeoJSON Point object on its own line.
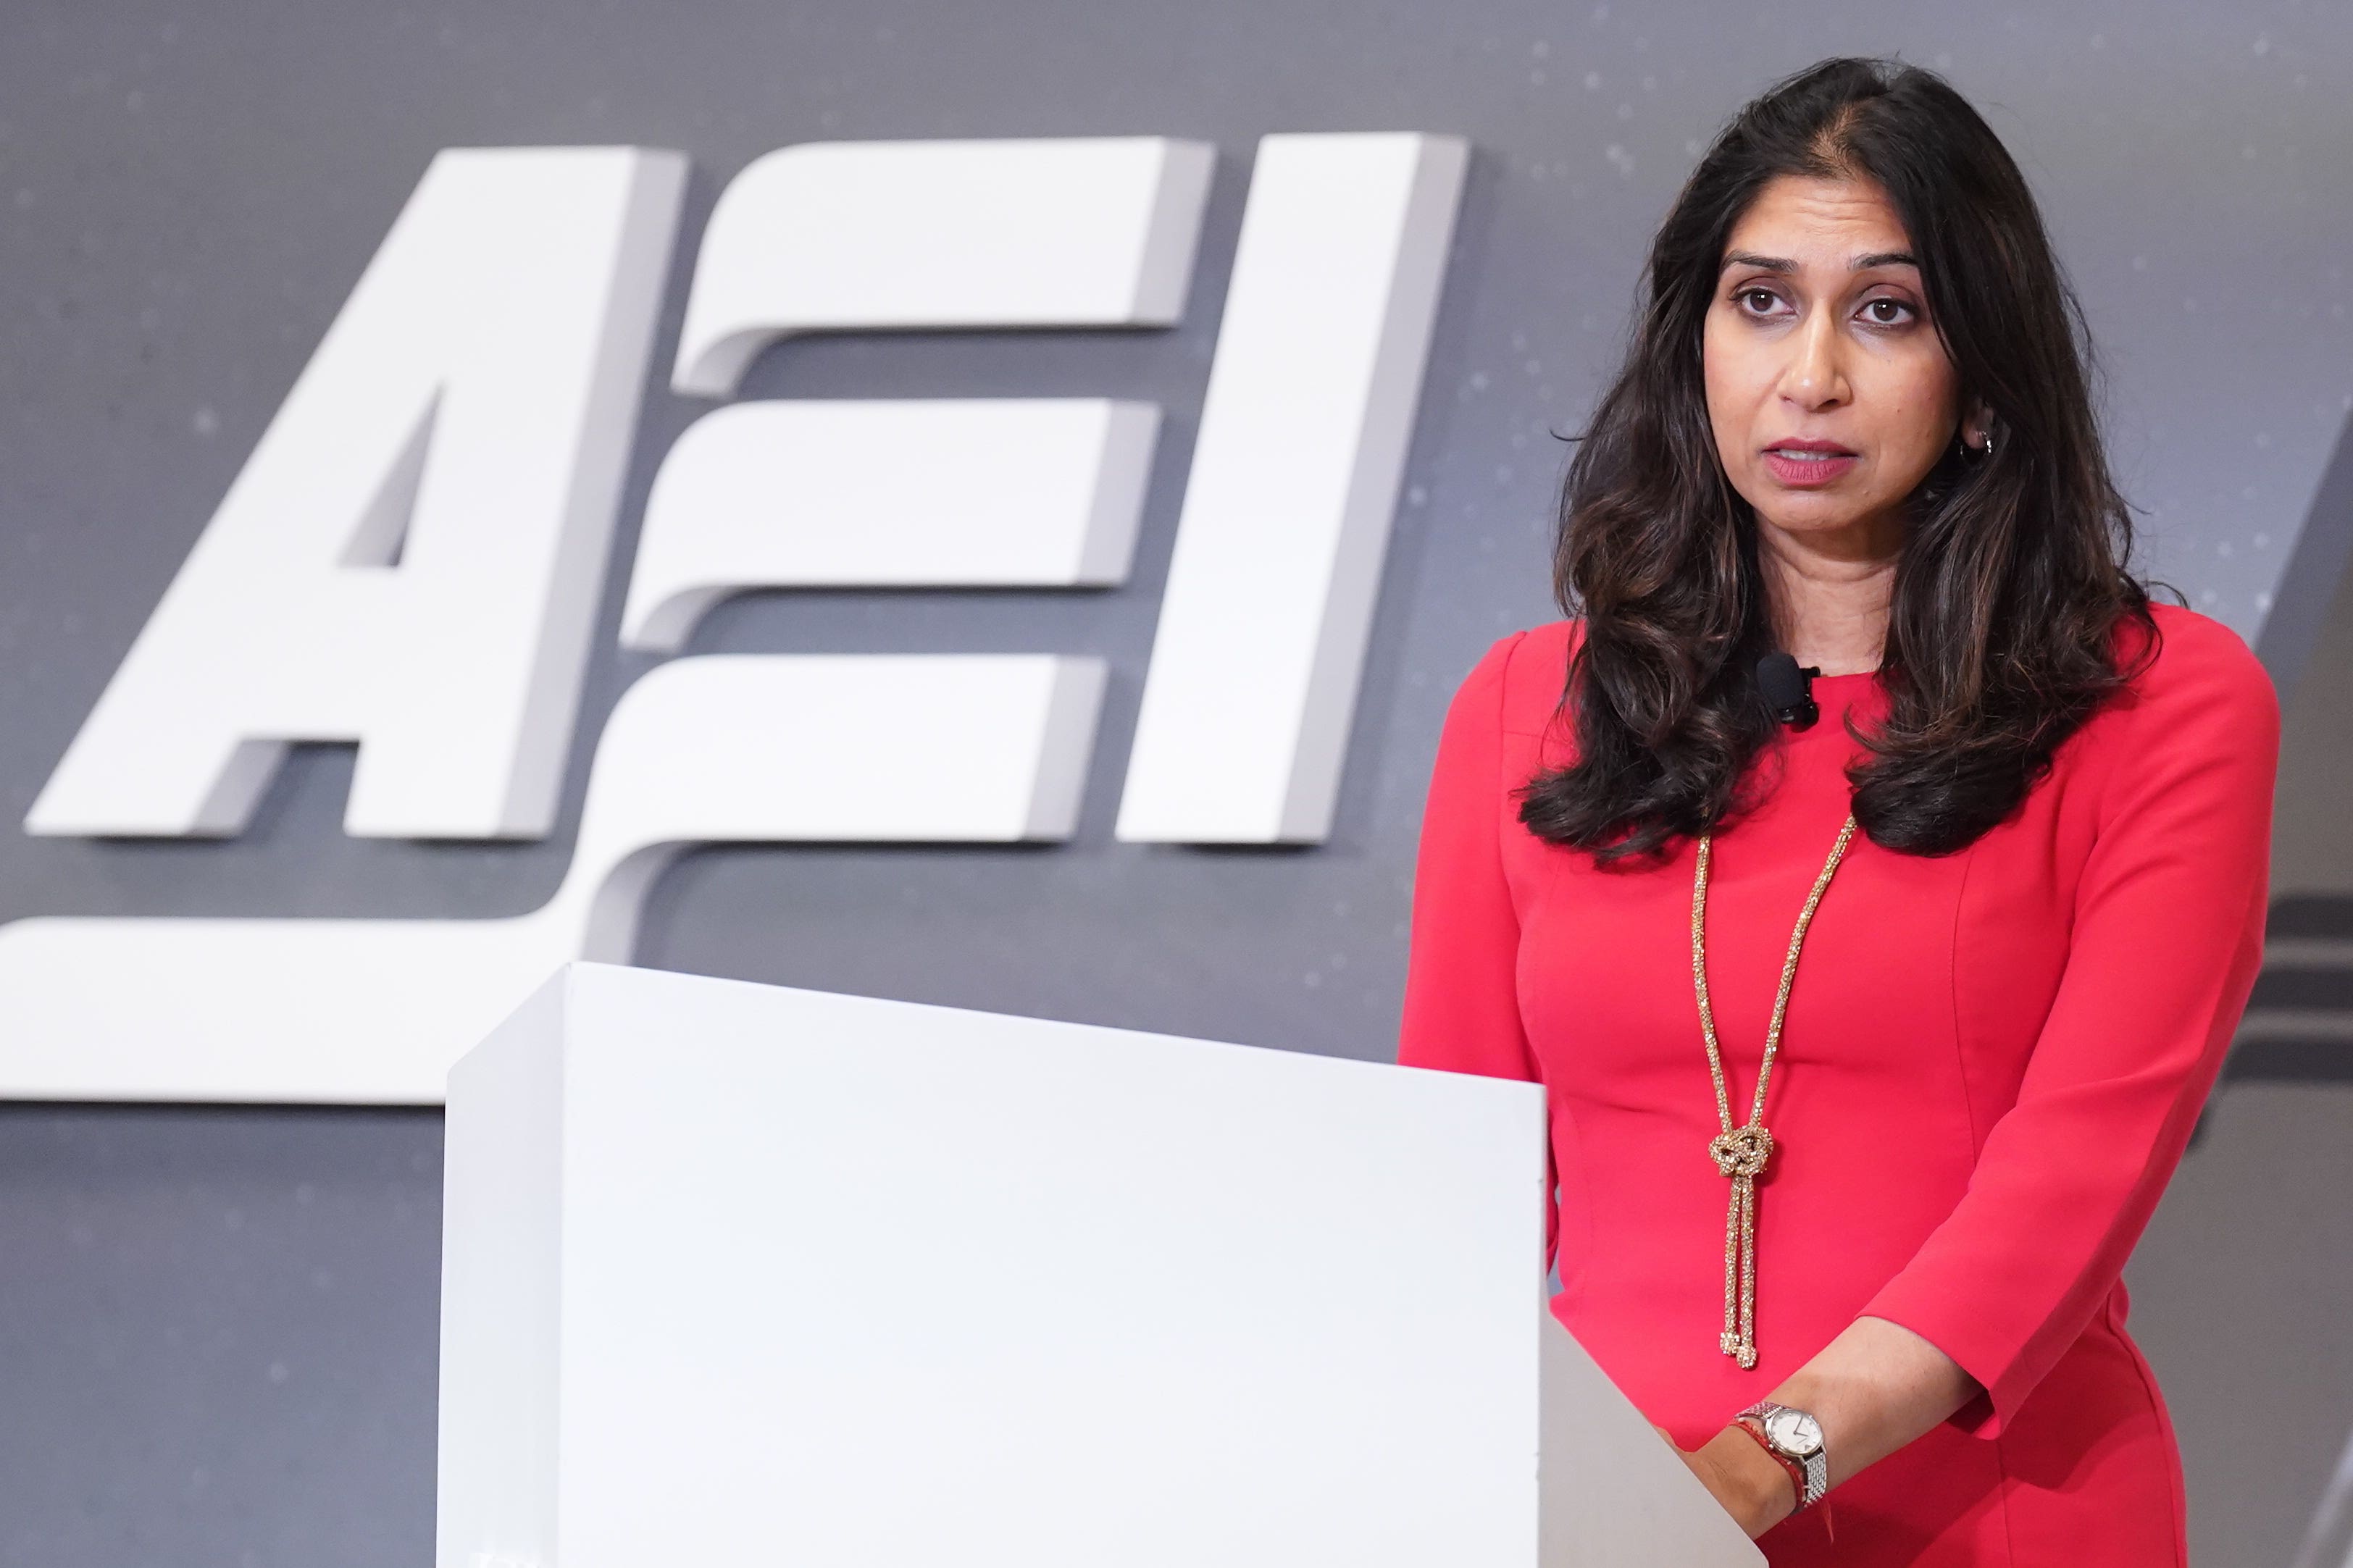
{"type": "Point", "coordinates": [1795, 1438]}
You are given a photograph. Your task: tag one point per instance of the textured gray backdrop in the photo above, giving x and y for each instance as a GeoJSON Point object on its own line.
{"type": "Point", "coordinates": [216, 1325]}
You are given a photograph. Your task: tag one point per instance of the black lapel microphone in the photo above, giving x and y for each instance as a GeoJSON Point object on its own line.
{"type": "Point", "coordinates": [1789, 688]}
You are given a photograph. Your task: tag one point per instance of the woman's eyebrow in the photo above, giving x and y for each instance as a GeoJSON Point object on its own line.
{"type": "Point", "coordinates": [1783, 264]}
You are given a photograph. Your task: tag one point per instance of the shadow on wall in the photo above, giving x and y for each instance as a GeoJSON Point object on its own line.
{"type": "Point", "coordinates": [2299, 1022]}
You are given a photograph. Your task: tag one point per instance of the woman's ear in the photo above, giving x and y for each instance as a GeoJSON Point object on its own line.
{"type": "Point", "coordinates": [1976, 425]}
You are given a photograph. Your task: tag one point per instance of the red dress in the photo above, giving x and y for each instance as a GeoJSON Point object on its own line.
{"type": "Point", "coordinates": [1989, 1066]}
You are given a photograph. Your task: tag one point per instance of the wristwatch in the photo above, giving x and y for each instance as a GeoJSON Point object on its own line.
{"type": "Point", "coordinates": [1794, 1438]}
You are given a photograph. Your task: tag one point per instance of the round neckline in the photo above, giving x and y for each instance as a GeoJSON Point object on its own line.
{"type": "Point", "coordinates": [1850, 675]}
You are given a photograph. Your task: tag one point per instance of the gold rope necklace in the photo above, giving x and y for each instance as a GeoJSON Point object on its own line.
{"type": "Point", "coordinates": [1740, 1152]}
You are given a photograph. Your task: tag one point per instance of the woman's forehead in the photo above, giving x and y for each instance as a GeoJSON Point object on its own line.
{"type": "Point", "coordinates": [1818, 221]}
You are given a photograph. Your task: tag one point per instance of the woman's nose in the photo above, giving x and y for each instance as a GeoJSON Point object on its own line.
{"type": "Point", "coordinates": [1814, 376]}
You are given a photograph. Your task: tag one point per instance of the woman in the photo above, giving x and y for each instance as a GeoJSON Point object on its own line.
{"type": "Point", "coordinates": [1853, 429]}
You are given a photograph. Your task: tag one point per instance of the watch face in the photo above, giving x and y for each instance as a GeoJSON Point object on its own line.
{"type": "Point", "coordinates": [1793, 1432]}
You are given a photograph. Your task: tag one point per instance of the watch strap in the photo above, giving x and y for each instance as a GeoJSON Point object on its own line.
{"type": "Point", "coordinates": [1797, 1480]}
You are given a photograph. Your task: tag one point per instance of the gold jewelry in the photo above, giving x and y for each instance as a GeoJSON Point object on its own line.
{"type": "Point", "coordinates": [1740, 1152]}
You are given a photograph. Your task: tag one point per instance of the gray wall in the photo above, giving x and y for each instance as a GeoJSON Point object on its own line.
{"type": "Point", "coordinates": [216, 1326]}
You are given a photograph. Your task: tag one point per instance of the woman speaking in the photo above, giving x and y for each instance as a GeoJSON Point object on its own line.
{"type": "Point", "coordinates": [1869, 871]}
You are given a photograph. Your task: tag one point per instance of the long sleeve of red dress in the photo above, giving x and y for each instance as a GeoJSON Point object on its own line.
{"type": "Point", "coordinates": [1461, 1006]}
{"type": "Point", "coordinates": [2167, 935]}
{"type": "Point", "coordinates": [1990, 1066]}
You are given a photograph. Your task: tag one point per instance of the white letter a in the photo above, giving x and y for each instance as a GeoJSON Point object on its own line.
{"type": "Point", "coordinates": [411, 558]}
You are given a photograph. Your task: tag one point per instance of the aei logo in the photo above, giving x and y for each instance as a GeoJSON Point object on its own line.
{"type": "Point", "coordinates": [411, 556]}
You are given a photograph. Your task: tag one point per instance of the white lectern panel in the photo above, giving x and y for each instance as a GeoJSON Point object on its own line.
{"type": "Point", "coordinates": [735, 1273]}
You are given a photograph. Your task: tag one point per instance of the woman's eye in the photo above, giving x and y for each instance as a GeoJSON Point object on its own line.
{"type": "Point", "coordinates": [1901, 311]}
{"type": "Point", "coordinates": [1750, 296]}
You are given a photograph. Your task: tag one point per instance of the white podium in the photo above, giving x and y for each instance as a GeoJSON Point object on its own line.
{"type": "Point", "coordinates": [735, 1274]}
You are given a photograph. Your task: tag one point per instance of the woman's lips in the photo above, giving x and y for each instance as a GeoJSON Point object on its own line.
{"type": "Point", "coordinates": [1805, 469]}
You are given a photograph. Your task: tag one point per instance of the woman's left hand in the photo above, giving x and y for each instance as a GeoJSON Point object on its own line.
{"type": "Point", "coordinates": [1740, 1474]}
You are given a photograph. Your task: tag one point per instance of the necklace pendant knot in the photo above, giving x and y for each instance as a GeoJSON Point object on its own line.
{"type": "Point", "coordinates": [1741, 1153]}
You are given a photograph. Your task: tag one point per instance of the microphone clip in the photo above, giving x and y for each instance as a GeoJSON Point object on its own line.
{"type": "Point", "coordinates": [1802, 713]}
{"type": "Point", "coordinates": [1788, 688]}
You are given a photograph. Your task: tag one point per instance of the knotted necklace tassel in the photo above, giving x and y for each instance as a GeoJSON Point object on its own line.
{"type": "Point", "coordinates": [1740, 1152]}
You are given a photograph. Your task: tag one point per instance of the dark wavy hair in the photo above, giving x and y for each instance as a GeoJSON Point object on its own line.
{"type": "Point", "coordinates": [2012, 579]}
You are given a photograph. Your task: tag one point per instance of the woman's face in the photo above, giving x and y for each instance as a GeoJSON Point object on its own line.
{"type": "Point", "coordinates": [1819, 334]}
